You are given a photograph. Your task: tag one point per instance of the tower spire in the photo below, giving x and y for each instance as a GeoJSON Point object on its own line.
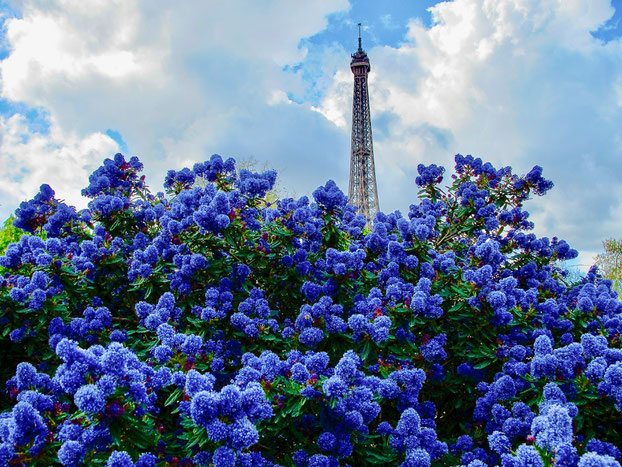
{"type": "Point", "coordinates": [360, 43]}
{"type": "Point", "coordinates": [362, 189]}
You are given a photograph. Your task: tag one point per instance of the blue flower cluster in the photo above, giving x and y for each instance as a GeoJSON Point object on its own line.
{"type": "Point", "coordinates": [255, 185]}
{"type": "Point", "coordinates": [330, 196]}
{"type": "Point", "coordinates": [179, 181]}
{"type": "Point", "coordinates": [242, 408]}
{"type": "Point", "coordinates": [44, 212]}
{"type": "Point", "coordinates": [430, 174]}
{"type": "Point", "coordinates": [116, 177]}
{"type": "Point", "coordinates": [552, 430]}
{"type": "Point", "coordinates": [103, 383]}
{"type": "Point", "coordinates": [215, 168]}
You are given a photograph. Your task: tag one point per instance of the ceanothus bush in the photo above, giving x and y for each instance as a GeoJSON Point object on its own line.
{"type": "Point", "coordinates": [206, 326]}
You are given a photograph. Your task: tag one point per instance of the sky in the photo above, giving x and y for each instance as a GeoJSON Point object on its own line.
{"type": "Point", "coordinates": [515, 82]}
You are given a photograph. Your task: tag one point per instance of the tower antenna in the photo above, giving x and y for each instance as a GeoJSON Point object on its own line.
{"type": "Point", "coordinates": [360, 44]}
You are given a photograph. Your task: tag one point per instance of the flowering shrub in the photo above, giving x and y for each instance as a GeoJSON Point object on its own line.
{"type": "Point", "coordinates": [209, 327]}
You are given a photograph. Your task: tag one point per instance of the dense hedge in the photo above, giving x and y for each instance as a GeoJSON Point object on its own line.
{"type": "Point", "coordinates": [206, 326]}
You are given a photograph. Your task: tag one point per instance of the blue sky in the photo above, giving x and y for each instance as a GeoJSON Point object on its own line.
{"type": "Point", "coordinates": [383, 24]}
{"type": "Point", "coordinates": [515, 82]}
{"type": "Point", "coordinates": [612, 29]}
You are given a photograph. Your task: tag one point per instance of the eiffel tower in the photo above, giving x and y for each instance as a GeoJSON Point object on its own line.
{"type": "Point", "coordinates": [362, 190]}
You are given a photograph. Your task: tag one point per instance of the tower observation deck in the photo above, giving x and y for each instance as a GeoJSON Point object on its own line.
{"type": "Point", "coordinates": [362, 190]}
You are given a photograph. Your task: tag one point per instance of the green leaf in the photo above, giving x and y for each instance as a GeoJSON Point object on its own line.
{"type": "Point", "coordinates": [366, 350]}
{"type": "Point", "coordinates": [482, 364]}
{"type": "Point", "coordinates": [176, 394]}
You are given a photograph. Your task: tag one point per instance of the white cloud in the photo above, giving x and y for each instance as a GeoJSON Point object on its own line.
{"type": "Point", "coordinates": [339, 98]}
{"type": "Point", "coordinates": [63, 160]}
{"type": "Point", "coordinates": [178, 81]}
{"type": "Point", "coordinates": [64, 43]}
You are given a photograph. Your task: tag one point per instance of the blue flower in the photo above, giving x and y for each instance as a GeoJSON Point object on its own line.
{"type": "Point", "coordinates": [114, 360]}
{"type": "Point", "coordinates": [251, 330]}
{"type": "Point", "coordinates": [591, 459]}
{"type": "Point", "coordinates": [71, 453]}
{"type": "Point", "coordinates": [602, 447]}
{"type": "Point", "coordinates": [433, 351]}
{"type": "Point", "coordinates": [243, 434]}
{"type": "Point", "coordinates": [118, 336]}
{"type": "Point", "coordinates": [463, 443]}
{"type": "Point", "coordinates": [417, 457]}
{"type": "Point", "coordinates": [223, 457]}
{"type": "Point", "coordinates": [347, 366]}
{"type": "Point", "coordinates": [17, 294]}
{"type": "Point", "coordinates": [143, 309]}
{"type": "Point", "coordinates": [300, 374]}
{"type": "Point", "coordinates": [409, 423]}
{"type": "Point", "coordinates": [357, 322]}
{"type": "Point", "coordinates": [25, 426]}
{"type": "Point", "coordinates": [534, 178]}
{"type": "Point", "coordinates": [326, 441]}
{"type": "Point", "coordinates": [230, 401]}
{"type": "Point", "coordinates": [430, 174]}
{"type": "Point", "coordinates": [202, 458]}
{"type": "Point", "coordinates": [69, 431]}
{"type": "Point", "coordinates": [166, 301]}
{"type": "Point", "coordinates": [25, 375]}
{"type": "Point", "coordinates": [566, 454]}
{"type": "Point", "coordinates": [353, 419]}
{"type": "Point", "coordinates": [183, 179]}
{"type": "Point", "coordinates": [527, 456]}
{"type": "Point", "coordinates": [90, 399]}
{"type": "Point", "coordinates": [255, 184]}
{"type": "Point", "coordinates": [584, 304]}
{"type": "Point", "coordinates": [162, 353]}
{"type": "Point", "coordinates": [379, 329]}
{"type": "Point", "coordinates": [204, 408]}
{"type": "Point", "coordinates": [147, 460]}
{"type": "Point", "coordinates": [317, 362]}
{"type": "Point", "coordinates": [504, 388]}
{"type": "Point", "coordinates": [217, 430]}
{"type": "Point", "coordinates": [612, 383]}
{"type": "Point", "coordinates": [496, 299]}
{"type": "Point", "coordinates": [319, 460]}
{"type": "Point", "coordinates": [311, 336]}
{"type": "Point", "coordinates": [192, 344]}
{"type": "Point", "coordinates": [42, 403]}
{"type": "Point", "coordinates": [119, 459]}
{"type": "Point", "coordinates": [384, 429]}
{"type": "Point", "coordinates": [593, 346]}
{"type": "Point", "coordinates": [499, 442]}
{"type": "Point", "coordinates": [330, 196]}
{"type": "Point", "coordinates": [334, 387]}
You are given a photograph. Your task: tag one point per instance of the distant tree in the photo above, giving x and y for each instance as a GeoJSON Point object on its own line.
{"type": "Point", "coordinates": [610, 262]}
{"type": "Point", "coordinates": [278, 191]}
{"type": "Point", "coordinates": [9, 234]}
{"type": "Point", "coordinates": [253, 165]}
{"type": "Point", "coordinates": [573, 273]}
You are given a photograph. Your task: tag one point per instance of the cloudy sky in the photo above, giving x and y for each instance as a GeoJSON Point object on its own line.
{"type": "Point", "coordinates": [515, 82]}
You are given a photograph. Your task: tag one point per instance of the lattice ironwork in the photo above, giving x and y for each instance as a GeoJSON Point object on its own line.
{"type": "Point", "coordinates": [362, 189]}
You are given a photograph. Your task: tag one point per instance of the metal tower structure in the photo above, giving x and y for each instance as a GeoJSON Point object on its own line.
{"type": "Point", "coordinates": [362, 190]}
